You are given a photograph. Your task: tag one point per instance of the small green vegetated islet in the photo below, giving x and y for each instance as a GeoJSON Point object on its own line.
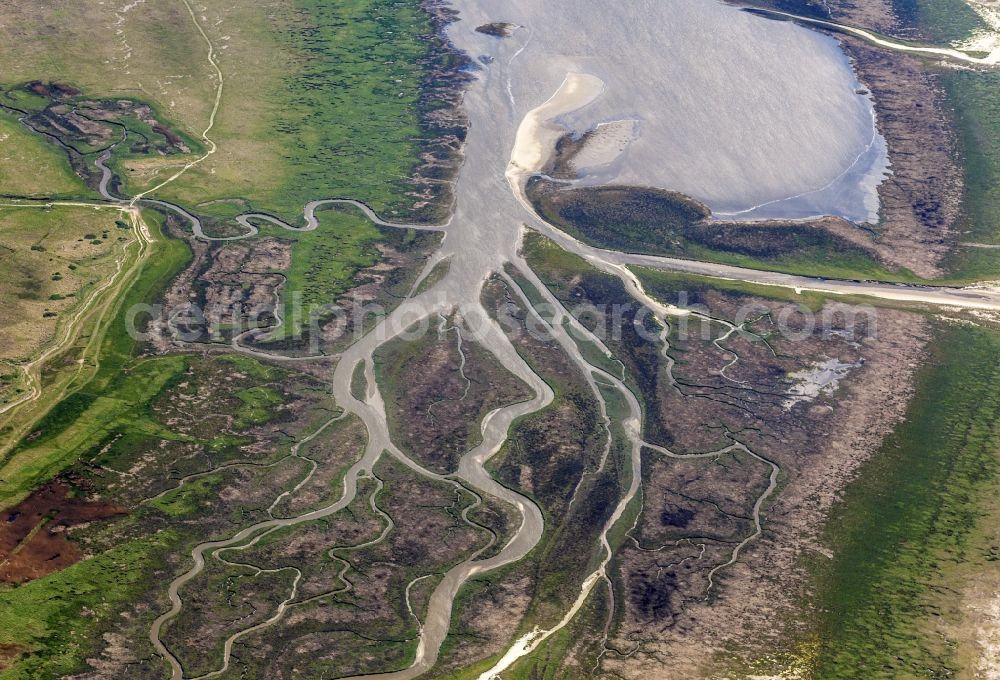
{"type": "Point", "coordinates": [911, 517]}
{"type": "Point", "coordinates": [665, 223]}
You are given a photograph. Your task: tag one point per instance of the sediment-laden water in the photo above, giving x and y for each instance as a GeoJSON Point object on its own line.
{"type": "Point", "coordinates": [755, 118]}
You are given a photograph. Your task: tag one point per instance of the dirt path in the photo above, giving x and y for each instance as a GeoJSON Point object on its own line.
{"type": "Point", "coordinates": [992, 59]}
{"type": "Point", "coordinates": [95, 310]}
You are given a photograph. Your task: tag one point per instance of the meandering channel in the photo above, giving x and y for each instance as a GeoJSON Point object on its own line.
{"type": "Point", "coordinates": [459, 291]}
{"type": "Point", "coordinates": [483, 236]}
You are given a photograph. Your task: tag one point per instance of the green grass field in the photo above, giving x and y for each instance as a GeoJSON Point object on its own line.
{"type": "Point", "coordinates": [919, 519]}
{"type": "Point", "coordinates": [976, 98]}
{"type": "Point", "coordinates": [50, 176]}
{"type": "Point", "coordinates": [332, 109]}
{"type": "Point", "coordinates": [48, 614]}
{"type": "Point", "coordinates": [319, 101]}
{"type": "Point", "coordinates": [51, 261]}
{"type": "Point", "coordinates": [105, 395]}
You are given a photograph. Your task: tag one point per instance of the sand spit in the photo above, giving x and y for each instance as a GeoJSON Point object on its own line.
{"type": "Point", "coordinates": [538, 133]}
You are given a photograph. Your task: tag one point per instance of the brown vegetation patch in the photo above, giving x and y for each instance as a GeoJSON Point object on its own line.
{"type": "Point", "coordinates": [711, 499]}
{"type": "Point", "coordinates": [760, 598]}
{"type": "Point", "coordinates": [9, 652]}
{"type": "Point", "coordinates": [361, 623]}
{"type": "Point", "coordinates": [34, 540]}
{"type": "Point", "coordinates": [486, 619]}
{"type": "Point", "coordinates": [333, 452]}
{"type": "Point", "coordinates": [239, 288]}
{"type": "Point", "coordinates": [52, 90]}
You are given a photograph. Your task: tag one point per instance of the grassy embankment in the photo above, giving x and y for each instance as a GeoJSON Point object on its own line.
{"type": "Point", "coordinates": [113, 383]}
{"type": "Point", "coordinates": [93, 333]}
{"type": "Point", "coordinates": [52, 617]}
{"type": "Point", "coordinates": [50, 260]}
{"type": "Point", "coordinates": [56, 256]}
{"type": "Point", "coordinates": [61, 616]}
{"type": "Point", "coordinates": [71, 272]}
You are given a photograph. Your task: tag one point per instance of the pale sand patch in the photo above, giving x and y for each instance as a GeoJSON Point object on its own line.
{"type": "Point", "coordinates": [973, 618]}
{"type": "Point", "coordinates": [821, 378]}
{"type": "Point", "coordinates": [985, 41]}
{"type": "Point", "coordinates": [537, 135]}
{"type": "Point", "coordinates": [605, 143]}
{"type": "Point", "coordinates": [986, 615]}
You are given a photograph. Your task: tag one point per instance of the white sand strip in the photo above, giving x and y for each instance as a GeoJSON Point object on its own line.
{"type": "Point", "coordinates": [537, 135]}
